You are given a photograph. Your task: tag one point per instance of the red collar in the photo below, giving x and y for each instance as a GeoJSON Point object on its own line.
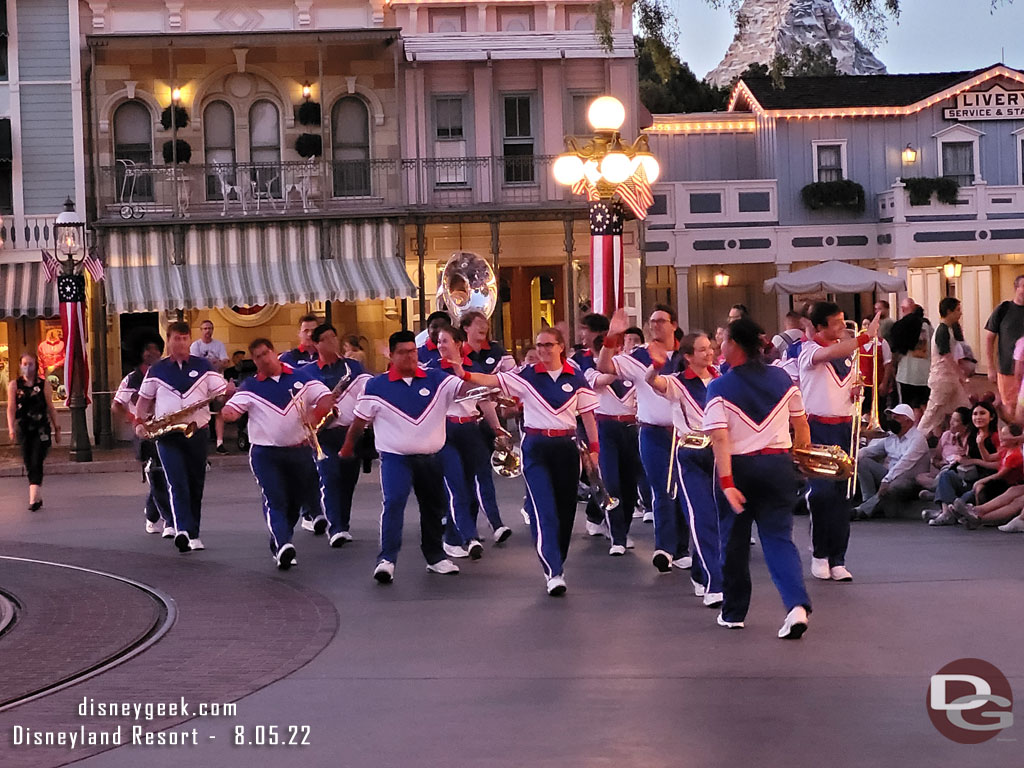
{"type": "Point", "coordinates": [320, 362]}
{"type": "Point", "coordinates": [430, 345]}
{"type": "Point", "coordinates": [588, 353]}
{"type": "Point", "coordinates": [821, 341]}
{"type": "Point", "coordinates": [486, 344]}
{"type": "Point", "coordinates": [446, 363]}
{"type": "Point", "coordinates": [691, 374]}
{"type": "Point", "coordinates": [394, 375]}
{"type": "Point", "coordinates": [566, 368]}
{"type": "Point", "coordinates": [285, 368]}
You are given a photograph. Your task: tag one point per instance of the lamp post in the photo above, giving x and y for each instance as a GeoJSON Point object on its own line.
{"type": "Point", "coordinates": [613, 174]}
{"type": "Point", "coordinates": [69, 233]}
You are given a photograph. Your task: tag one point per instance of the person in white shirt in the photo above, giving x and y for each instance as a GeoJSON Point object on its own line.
{"type": "Point", "coordinates": [216, 354]}
{"type": "Point", "coordinates": [792, 333]}
{"type": "Point", "coordinates": [888, 466]}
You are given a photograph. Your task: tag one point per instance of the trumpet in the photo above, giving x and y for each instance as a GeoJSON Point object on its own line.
{"type": "Point", "coordinates": [826, 461]}
{"type": "Point", "coordinates": [485, 393]}
{"type": "Point", "coordinates": [596, 482]}
{"type": "Point", "coordinates": [174, 422]}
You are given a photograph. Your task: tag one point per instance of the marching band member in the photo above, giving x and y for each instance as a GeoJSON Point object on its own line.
{"type": "Point", "coordinates": [407, 407]}
{"type": "Point", "coordinates": [489, 355]}
{"type": "Point", "coordinates": [749, 413]}
{"type": "Point", "coordinates": [338, 477]}
{"type": "Point", "coordinates": [277, 399]}
{"type": "Point", "coordinates": [466, 461]}
{"type": "Point", "coordinates": [178, 381]}
{"type": "Point", "coordinates": [427, 352]}
{"type": "Point", "coordinates": [634, 337]}
{"type": "Point", "coordinates": [553, 392]}
{"type": "Point", "coordinates": [694, 467]}
{"type": "Point", "coordinates": [158, 503]}
{"type": "Point", "coordinates": [671, 532]}
{"type": "Point", "coordinates": [827, 380]}
{"type": "Point", "coordinates": [617, 431]}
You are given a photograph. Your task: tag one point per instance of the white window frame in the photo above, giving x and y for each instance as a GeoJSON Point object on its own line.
{"type": "Point", "coordinates": [841, 143]}
{"type": "Point", "coordinates": [456, 174]}
{"type": "Point", "coordinates": [959, 134]}
{"type": "Point", "coordinates": [1018, 137]}
{"type": "Point", "coordinates": [570, 127]}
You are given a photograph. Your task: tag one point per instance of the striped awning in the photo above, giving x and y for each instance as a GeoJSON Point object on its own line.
{"type": "Point", "coordinates": [24, 291]}
{"type": "Point", "coordinates": [254, 263]}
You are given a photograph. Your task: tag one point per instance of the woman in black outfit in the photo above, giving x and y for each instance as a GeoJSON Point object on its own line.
{"type": "Point", "coordinates": [31, 419]}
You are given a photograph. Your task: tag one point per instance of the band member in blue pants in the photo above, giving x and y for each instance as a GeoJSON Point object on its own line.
{"type": "Point", "coordinates": [749, 413]}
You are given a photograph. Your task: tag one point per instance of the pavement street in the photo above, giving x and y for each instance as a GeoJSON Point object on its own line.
{"type": "Point", "coordinates": [483, 668]}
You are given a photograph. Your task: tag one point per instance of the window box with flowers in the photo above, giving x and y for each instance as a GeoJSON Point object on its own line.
{"type": "Point", "coordinates": [843, 194]}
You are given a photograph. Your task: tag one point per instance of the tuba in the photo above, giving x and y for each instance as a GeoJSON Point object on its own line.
{"type": "Point", "coordinates": [468, 284]}
{"type": "Point", "coordinates": [827, 461]}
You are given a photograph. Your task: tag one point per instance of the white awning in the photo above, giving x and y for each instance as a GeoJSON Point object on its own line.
{"type": "Point", "coordinates": [254, 263]}
{"type": "Point", "coordinates": [835, 277]}
{"type": "Point", "coordinates": [24, 291]}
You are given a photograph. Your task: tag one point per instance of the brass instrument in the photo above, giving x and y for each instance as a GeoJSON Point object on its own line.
{"type": "Point", "coordinates": [174, 421]}
{"type": "Point", "coordinates": [485, 393]}
{"type": "Point", "coordinates": [311, 430]}
{"type": "Point", "coordinates": [507, 459]}
{"type": "Point", "coordinates": [339, 388]}
{"type": "Point", "coordinates": [827, 461]}
{"type": "Point", "coordinates": [468, 284]}
{"type": "Point", "coordinates": [859, 425]}
{"type": "Point", "coordinates": [696, 440]}
{"type": "Point", "coordinates": [597, 488]}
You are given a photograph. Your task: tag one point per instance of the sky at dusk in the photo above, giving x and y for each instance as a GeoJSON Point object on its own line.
{"type": "Point", "coordinates": [931, 35]}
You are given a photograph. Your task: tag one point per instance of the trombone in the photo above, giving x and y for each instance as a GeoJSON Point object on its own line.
{"type": "Point", "coordinates": [859, 427]}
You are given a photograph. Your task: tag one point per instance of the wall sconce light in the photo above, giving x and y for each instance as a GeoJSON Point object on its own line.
{"type": "Point", "coordinates": [909, 155]}
{"type": "Point", "coordinates": [176, 95]}
{"type": "Point", "coordinates": [952, 269]}
{"type": "Point", "coordinates": [721, 279]}
{"type": "Point", "coordinates": [307, 91]}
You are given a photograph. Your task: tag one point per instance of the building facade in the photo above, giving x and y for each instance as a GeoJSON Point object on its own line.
{"type": "Point", "coordinates": [751, 193]}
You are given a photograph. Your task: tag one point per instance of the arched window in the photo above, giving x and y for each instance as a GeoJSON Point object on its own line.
{"type": "Point", "coordinates": [133, 146]}
{"type": "Point", "coordinates": [350, 145]}
{"type": "Point", "coordinates": [265, 148]}
{"type": "Point", "coordinates": [219, 141]}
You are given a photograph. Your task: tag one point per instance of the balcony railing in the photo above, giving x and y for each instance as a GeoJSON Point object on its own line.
{"type": "Point", "coordinates": [978, 201]}
{"type": "Point", "coordinates": [696, 203]}
{"type": "Point", "coordinates": [131, 191]}
{"type": "Point", "coordinates": [27, 233]}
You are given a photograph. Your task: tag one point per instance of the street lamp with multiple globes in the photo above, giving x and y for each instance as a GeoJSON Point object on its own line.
{"type": "Point", "coordinates": [69, 234]}
{"type": "Point", "coordinates": [610, 172]}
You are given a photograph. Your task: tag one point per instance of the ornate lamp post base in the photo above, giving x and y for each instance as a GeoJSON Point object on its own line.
{"type": "Point", "coordinates": [81, 447]}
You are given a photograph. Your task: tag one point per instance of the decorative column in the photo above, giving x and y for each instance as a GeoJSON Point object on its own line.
{"type": "Point", "coordinates": [783, 299]}
{"type": "Point", "coordinates": [682, 297]}
{"type": "Point", "coordinates": [498, 318]}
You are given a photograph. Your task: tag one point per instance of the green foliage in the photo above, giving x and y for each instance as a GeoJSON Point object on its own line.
{"type": "Point", "coordinates": [921, 188]}
{"type": "Point", "coordinates": [309, 113]}
{"type": "Point", "coordinates": [815, 61]}
{"type": "Point", "coordinates": [844, 194]}
{"type": "Point", "coordinates": [678, 89]}
{"type": "Point", "coordinates": [309, 145]}
{"type": "Point", "coordinates": [180, 117]}
{"type": "Point", "coordinates": [184, 151]}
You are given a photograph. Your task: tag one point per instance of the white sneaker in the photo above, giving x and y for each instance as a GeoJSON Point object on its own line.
{"type": "Point", "coordinates": [597, 529]}
{"type": "Point", "coordinates": [616, 550]}
{"type": "Point", "coordinates": [196, 543]}
{"type": "Point", "coordinates": [384, 573]}
{"type": "Point", "coordinates": [839, 573]}
{"type": "Point", "coordinates": [320, 524]}
{"type": "Point", "coordinates": [169, 532]}
{"type": "Point", "coordinates": [475, 550]}
{"type": "Point", "coordinates": [307, 525]}
{"type": "Point", "coordinates": [443, 567]}
{"type": "Point", "coordinates": [556, 586]}
{"type": "Point", "coordinates": [713, 599]}
{"type": "Point", "coordinates": [729, 624]}
{"type": "Point", "coordinates": [648, 517]}
{"type": "Point", "coordinates": [1014, 526]}
{"type": "Point", "coordinates": [285, 557]}
{"type": "Point", "coordinates": [638, 513]}
{"type": "Point", "coordinates": [630, 544]}
{"type": "Point", "coordinates": [698, 588]}
{"type": "Point", "coordinates": [501, 535]}
{"type": "Point", "coordinates": [795, 624]}
{"type": "Point", "coordinates": [340, 539]}
{"type": "Point", "coordinates": [157, 527]}
{"type": "Point", "coordinates": [683, 563]}
{"type": "Point", "coordinates": [454, 551]}
{"type": "Point", "coordinates": [526, 517]}
{"type": "Point", "coordinates": [662, 560]}
{"type": "Point", "coordinates": [820, 569]}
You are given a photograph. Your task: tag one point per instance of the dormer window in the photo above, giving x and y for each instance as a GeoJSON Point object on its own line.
{"type": "Point", "coordinates": [958, 154]}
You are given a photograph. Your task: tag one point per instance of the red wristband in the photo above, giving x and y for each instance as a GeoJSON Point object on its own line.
{"type": "Point", "coordinates": [863, 339]}
{"type": "Point", "coordinates": [613, 340]}
{"type": "Point", "coordinates": [465, 375]}
{"type": "Point", "coordinates": [726, 482]}
{"type": "Point", "coordinates": [594, 448]}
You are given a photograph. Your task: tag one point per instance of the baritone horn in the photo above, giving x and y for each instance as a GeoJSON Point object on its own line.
{"type": "Point", "coordinates": [468, 284]}
{"type": "Point", "coordinates": [825, 461]}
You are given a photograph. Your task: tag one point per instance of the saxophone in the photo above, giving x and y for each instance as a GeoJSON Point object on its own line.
{"type": "Point", "coordinates": [175, 421]}
{"type": "Point", "coordinates": [828, 461]}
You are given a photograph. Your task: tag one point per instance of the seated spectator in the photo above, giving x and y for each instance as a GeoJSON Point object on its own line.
{"type": "Point", "coordinates": [240, 369]}
{"type": "Point", "coordinates": [887, 467]}
{"type": "Point", "coordinates": [352, 348]}
{"type": "Point", "coordinates": [982, 460]}
{"type": "Point", "coordinates": [952, 448]}
{"type": "Point", "coordinates": [1004, 489]}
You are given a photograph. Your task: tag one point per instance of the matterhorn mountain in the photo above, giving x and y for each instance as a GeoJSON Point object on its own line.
{"type": "Point", "coordinates": [770, 27]}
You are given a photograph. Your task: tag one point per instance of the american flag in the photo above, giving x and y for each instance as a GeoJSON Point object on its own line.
{"type": "Point", "coordinates": [71, 293]}
{"type": "Point", "coordinates": [93, 265]}
{"type": "Point", "coordinates": [51, 267]}
{"type": "Point", "coordinates": [636, 193]}
{"type": "Point", "coordinates": [606, 270]}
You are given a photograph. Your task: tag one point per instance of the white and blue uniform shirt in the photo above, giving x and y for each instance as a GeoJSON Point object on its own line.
{"type": "Point", "coordinates": [408, 416]}
{"type": "Point", "coordinates": [755, 403]}
{"type": "Point", "coordinates": [330, 375]}
{"type": "Point", "coordinates": [651, 408]}
{"type": "Point", "coordinates": [826, 386]}
{"type": "Point", "coordinates": [128, 390]}
{"type": "Point", "coordinates": [428, 354]}
{"type": "Point", "coordinates": [272, 405]}
{"type": "Point", "coordinates": [491, 358]}
{"type": "Point", "coordinates": [615, 399]}
{"type": "Point", "coordinates": [299, 357]}
{"type": "Point", "coordinates": [690, 391]}
{"type": "Point", "coordinates": [467, 408]}
{"type": "Point", "coordinates": [173, 386]}
{"type": "Point", "coordinates": [551, 400]}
